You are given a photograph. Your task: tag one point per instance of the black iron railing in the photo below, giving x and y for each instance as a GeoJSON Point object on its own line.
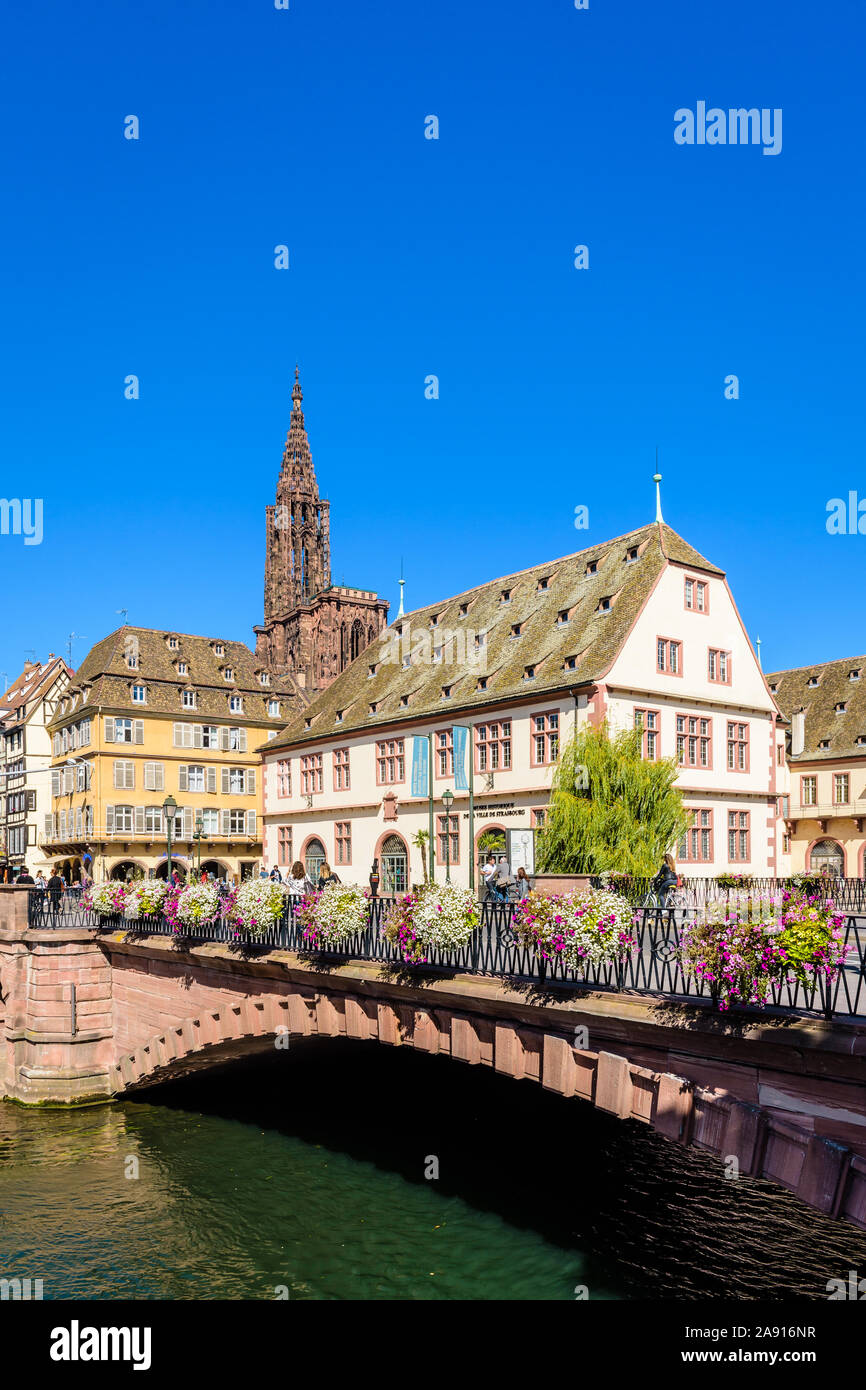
{"type": "Point", "coordinates": [655, 968]}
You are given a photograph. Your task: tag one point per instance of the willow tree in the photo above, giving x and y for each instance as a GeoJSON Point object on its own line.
{"type": "Point", "coordinates": [611, 810]}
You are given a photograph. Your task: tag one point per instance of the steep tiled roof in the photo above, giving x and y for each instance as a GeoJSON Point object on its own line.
{"type": "Point", "coordinates": [523, 631]}
{"type": "Point", "coordinates": [839, 729]}
{"type": "Point", "coordinates": [108, 679]}
{"type": "Point", "coordinates": [34, 680]}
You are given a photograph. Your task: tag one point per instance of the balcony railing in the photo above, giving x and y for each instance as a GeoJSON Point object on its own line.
{"type": "Point", "coordinates": [827, 810]}
{"type": "Point", "coordinates": [143, 837]}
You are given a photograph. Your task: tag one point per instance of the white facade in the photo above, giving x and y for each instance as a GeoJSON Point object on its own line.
{"type": "Point", "coordinates": [25, 711]}
{"type": "Point", "coordinates": [726, 732]}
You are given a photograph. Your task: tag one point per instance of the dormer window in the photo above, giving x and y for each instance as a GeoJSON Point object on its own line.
{"type": "Point", "coordinates": [404, 701]}
{"type": "Point", "coordinates": [434, 620]}
{"type": "Point", "coordinates": [264, 677]}
{"type": "Point", "coordinates": [236, 704]}
{"type": "Point", "coordinates": [482, 683]}
{"type": "Point", "coordinates": [132, 660]}
{"type": "Point", "coordinates": [824, 743]}
{"type": "Point", "coordinates": [505, 596]}
{"type": "Point", "coordinates": [187, 699]}
{"type": "Point", "coordinates": [308, 723]}
{"type": "Point", "coordinates": [407, 661]}
{"type": "Point", "coordinates": [592, 567]}
{"type": "Point", "coordinates": [631, 554]}
{"type": "Point", "coordinates": [182, 669]}
{"type": "Point", "coordinates": [840, 707]}
{"type": "Point", "coordinates": [446, 692]}
{"type": "Point", "coordinates": [861, 740]}
{"type": "Point", "coordinates": [437, 652]}
{"type": "Point", "coordinates": [774, 687]}
{"type": "Point", "coordinates": [338, 717]}
{"type": "Point", "coordinates": [480, 640]}
{"type": "Point", "coordinates": [529, 673]}
{"type": "Point", "coordinates": [516, 629]}
{"type": "Point", "coordinates": [813, 681]}
{"type": "Point", "coordinates": [398, 630]}
{"type": "Point", "coordinates": [603, 605]}
{"type": "Point", "coordinates": [570, 663]}
{"type": "Point", "coordinates": [854, 675]}
{"type": "Point", "coordinates": [274, 709]}
{"type": "Point", "coordinates": [374, 706]}
{"type": "Point", "coordinates": [562, 617]}
{"type": "Point", "coordinates": [371, 671]}
{"type": "Point", "coordinates": [139, 695]}
{"type": "Point", "coordinates": [464, 609]}
{"type": "Point", "coordinates": [228, 674]}
{"type": "Point", "coordinates": [219, 649]}
{"type": "Point", "coordinates": [172, 642]}
{"type": "Point", "coordinates": [543, 584]}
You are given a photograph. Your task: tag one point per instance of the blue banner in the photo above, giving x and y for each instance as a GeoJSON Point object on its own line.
{"type": "Point", "coordinates": [420, 767]}
{"type": "Point", "coordinates": [461, 772]}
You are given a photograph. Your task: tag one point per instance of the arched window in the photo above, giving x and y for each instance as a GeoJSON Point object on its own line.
{"type": "Point", "coordinates": [827, 857]}
{"type": "Point", "coordinates": [357, 639]}
{"type": "Point", "coordinates": [314, 858]}
{"type": "Point", "coordinates": [344, 656]}
{"type": "Point", "coordinates": [395, 865]}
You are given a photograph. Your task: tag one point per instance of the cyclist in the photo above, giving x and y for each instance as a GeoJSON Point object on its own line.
{"type": "Point", "coordinates": [664, 881]}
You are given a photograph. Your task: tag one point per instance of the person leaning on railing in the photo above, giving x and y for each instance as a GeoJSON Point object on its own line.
{"type": "Point", "coordinates": [56, 888]}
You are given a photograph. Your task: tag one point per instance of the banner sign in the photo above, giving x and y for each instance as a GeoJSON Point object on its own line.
{"type": "Point", "coordinates": [460, 734]}
{"type": "Point", "coordinates": [420, 767]}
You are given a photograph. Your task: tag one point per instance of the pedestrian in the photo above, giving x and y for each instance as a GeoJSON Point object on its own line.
{"type": "Point", "coordinates": [326, 876]}
{"type": "Point", "coordinates": [276, 876]}
{"type": "Point", "coordinates": [298, 883]}
{"type": "Point", "coordinates": [502, 879]}
{"type": "Point", "coordinates": [55, 887]}
{"type": "Point", "coordinates": [488, 869]}
{"type": "Point", "coordinates": [263, 873]}
{"type": "Point", "coordinates": [665, 880]}
{"type": "Point", "coordinates": [25, 877]}
{"type": "Point", "coordinates": [524, 887]}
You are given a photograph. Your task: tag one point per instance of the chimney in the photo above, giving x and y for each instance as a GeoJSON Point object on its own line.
{"type": "Point", "coordinates": [798, 732]}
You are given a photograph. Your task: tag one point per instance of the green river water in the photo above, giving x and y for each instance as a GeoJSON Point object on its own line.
{"type": "Point", "coordinates": [305, 1173]}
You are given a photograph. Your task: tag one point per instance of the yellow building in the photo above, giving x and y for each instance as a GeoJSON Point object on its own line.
{"type": "Point", "coordinates": [826, 818]}
{"type": "Point", "coordinates": [152, 715]}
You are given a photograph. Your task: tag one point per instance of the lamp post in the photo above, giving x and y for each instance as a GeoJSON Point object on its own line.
{"type": "Point", "coordinates": [448, 797]}
{"type": "Point", "coordinates": [169, 808]}
{"type": "Point", "coordinates": [199, 829]}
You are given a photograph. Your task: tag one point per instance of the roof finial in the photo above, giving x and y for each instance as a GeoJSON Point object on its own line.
{"type": "Point", "coordinates": [297, 393]}
{"type": "Point", "coordinates": [400, 613]}
{"type": "Point", "coordinates": [657, 478]}
{"type": "Point", "coordinates": [758, 648]}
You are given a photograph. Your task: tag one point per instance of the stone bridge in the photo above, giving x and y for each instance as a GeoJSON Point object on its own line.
{"type": "Point", "coordinates": [87, 1017]}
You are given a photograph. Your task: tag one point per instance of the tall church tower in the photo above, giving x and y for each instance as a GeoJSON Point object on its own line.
{"type": "Point", "coordinates": [312, 629]}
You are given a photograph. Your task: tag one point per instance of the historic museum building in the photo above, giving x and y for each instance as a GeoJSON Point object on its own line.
{"type": "Point", "coordinates": [826, 817]}
{"type": "Point", "coordinates": [312, 628]}
{"type": "Point", "coordinates": [640, 630]}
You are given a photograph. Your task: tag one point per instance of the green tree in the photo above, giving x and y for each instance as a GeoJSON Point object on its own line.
{"type": "Point", "coordinates": [421, 840]}
{"type": "Point", "coordinates": [611, 810]}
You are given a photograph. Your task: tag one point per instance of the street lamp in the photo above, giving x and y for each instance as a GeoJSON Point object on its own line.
{"type": "Point", "coordinates": [169, 809]}
{"type": "Point", "coordinates": [447, 797]}
{"type": "Point", "coordinates": [199, 829]}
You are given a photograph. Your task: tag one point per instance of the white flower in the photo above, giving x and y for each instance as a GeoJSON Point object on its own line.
{"type": "Point", "coordinates": [198, 902]}
{"type": "Point", "coordinates": [444, 916]}
{"type": "Point", "coordinates": [145, 897]}
{"type": "Point", "coordinates": [258, 905]}
{"type": "Point", "coordinates": [335, 915]}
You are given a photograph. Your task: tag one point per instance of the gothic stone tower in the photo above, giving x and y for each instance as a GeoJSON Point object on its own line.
{"type": "Point", "coordinates": [312, 629]}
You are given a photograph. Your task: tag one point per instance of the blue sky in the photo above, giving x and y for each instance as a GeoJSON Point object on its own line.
{"type": "Point", "coordinates": [411, 257]}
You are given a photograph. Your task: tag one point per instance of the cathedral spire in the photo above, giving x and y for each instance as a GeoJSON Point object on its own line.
{"type": "Point", "coordinates": [297, 463]}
